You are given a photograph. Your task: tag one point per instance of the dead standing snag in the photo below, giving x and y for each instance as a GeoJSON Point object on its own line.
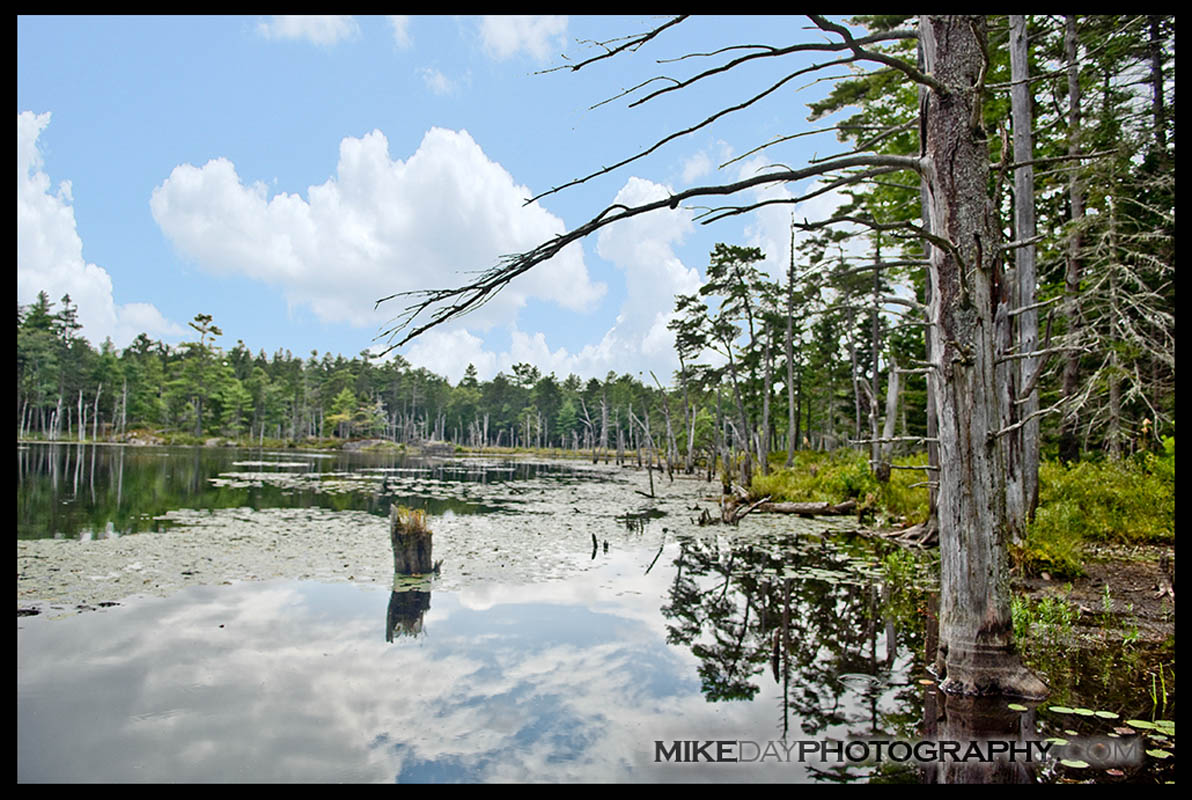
{"type": "Point", "coordinates": [967, 308]}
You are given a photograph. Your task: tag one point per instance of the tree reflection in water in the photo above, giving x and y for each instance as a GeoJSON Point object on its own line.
{"type": "Point", "coordinates": [843, 645]}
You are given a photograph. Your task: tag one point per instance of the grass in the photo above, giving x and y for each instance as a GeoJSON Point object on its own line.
{"type": "Point", "coordinates": [1050, 619]}
{"type": "Point", "coordinates": [1130, 501]}
{"type": "Point", "coordinates": [845, 474]}
{"type": "Point", "coordinates": [411, 520]}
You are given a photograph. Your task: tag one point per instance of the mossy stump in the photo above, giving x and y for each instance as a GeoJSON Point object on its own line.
{"type": "Point", "coordinates": [411, 541]}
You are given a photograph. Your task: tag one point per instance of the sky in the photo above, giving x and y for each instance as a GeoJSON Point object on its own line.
{"type": "Point", "coordinates": [283, 174]}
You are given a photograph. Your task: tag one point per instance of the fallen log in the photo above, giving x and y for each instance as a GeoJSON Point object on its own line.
{"type": "Point", "coordinates": [810, 509]}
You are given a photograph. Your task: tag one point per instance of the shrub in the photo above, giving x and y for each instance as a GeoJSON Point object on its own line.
{"type": "Point", "coordinates": [1130, 501]}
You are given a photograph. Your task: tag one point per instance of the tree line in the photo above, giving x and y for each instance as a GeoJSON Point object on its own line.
{"type": "Point", "coordinates": [832, 353]}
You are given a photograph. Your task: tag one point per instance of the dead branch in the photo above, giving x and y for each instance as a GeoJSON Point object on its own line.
{"type": "Point", "coordinates": [464, 299]}
{"type": "Point", "coordinates": [631, 43]}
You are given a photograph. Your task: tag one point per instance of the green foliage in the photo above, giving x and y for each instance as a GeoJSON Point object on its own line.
{"type": "Point", "coordinates": [1127, 501]}
{"type": "Point", "coordinates": [843, 475]}
{"type": "Point", "coordinates": [1049, 620]}
{"type": "Point", "coordinates": [1130, 501]}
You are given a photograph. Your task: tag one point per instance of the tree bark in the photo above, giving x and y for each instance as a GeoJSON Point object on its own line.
{"type": "Point", "coordinates": [1021, 99]}
{"type": "Point", "coordinates": [1069, 443]}
{"type": "Point", "coordinates": [792, 426]}
{"type": "Point", "coordinates": [411, 542]}
{"type": "Point", "coordinates": [977, 654]}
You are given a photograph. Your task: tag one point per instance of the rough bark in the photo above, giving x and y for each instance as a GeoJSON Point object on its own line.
{"type": "Point", "coordinates": [1069, 443]}
{"type": "Point", "coordinates": [792, 427]}
{"type": "Point", "coordinates": [764, 445]}
{"type": "Point", "coordinates": [1021, 99]}
{"type": "Point", "coordinates": [977, 653]}
{"type": "Point", "coordinates": [810, 509]}
{"type": "Point", "coordinates": [411, 542]}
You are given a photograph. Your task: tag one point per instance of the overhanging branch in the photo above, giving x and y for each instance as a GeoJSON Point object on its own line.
{"type": "Point", "coordinates": [467, 298]}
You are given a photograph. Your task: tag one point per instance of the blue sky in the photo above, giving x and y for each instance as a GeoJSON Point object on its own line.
{"type": "Point", "coordinates": [282, 174]}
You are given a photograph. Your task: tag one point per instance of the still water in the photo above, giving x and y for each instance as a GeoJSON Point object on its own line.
{"type": "Point", "coordinates": [577, 624]}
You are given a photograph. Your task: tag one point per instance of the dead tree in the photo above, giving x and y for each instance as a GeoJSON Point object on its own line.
{"type": "Point", "coordinates": [970, 301]}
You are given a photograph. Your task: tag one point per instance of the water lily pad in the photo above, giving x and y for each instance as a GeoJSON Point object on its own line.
{"type": "Point", "coordinates": [1117, 773]}
{"type": "Point", "coordinates": [1140, 724]}
{"type": "Point", "coordinates": [1057, 740]}
{"type": "Point", "coordinates": [1075, 763]}
{"type": "Point", "coordinates": [1106, 714]}
{"type": "Point", "coordinates": [1158, 754]}
{"type": "Point", "coordinates": [1084, 712]}
{"type": "Point", "coordinates": [1125, 731]}
{"type": "Point", "coordinates": [1061, 709]}
{"type": "Point", "coordinates": [1017, 707]}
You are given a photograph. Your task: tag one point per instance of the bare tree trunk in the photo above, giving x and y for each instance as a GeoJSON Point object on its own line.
{"type": "Point", "coordinates": [887, 449]}
{"type": "Point", "coordinates": [977, 654]}
{"type": "Point", "coordinates": [874, 447]}
{"type": "Point", "coordinates": [792, 424]}
{"type": "Point", "coordinates": [1069, 444]}
{"type": "Point", "coordinates": [1115, 408]}
{"type": "Point", "coordinates": [933, 449]}
{"type": "Point", "coordinates": [1021, 98]}
{"type": "Point", "coordinates": [688, 420]}
{"type": "Point", "coordinates": [764, 445]}
{"type": "Point", "coordinates": [746, 467]}
{"type": "Point", "coordinates": [95, 415]}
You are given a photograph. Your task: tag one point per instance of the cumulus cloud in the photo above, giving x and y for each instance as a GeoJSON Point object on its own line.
{"type": "Point", "coordinates": [50, 252]}
{"type": "Point", "coordinates": [541, 37]}
{"type": "Point", "coordinates": [377, 227]}
{"type": "Point", "coordinates": [769, 228]}
{"type": "Point", "coordinates": [642, 248]}
{"type": "Point", "coordinates": [323, 30]}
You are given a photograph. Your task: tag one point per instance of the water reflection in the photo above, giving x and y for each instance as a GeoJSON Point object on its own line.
{"type": "Point", "coordinates": [66, 490]}
{"type": "Point", "coordinates": [567, 680]}
{"type": "Point", "coordinates": [405, 613]}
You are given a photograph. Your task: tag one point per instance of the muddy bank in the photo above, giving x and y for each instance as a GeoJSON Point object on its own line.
{"type": "Point", "coordinates": [1128, 591]}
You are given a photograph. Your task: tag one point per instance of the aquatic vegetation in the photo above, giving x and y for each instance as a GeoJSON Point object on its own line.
{"type": "Point", "coordinates": [1049, 620]}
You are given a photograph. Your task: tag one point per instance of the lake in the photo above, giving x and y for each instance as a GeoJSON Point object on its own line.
{"type": "Point", "coordinates": [206, 614]}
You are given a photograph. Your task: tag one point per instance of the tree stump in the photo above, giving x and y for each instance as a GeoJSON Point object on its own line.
{"type": "Point", "coordinates": [411, 541]}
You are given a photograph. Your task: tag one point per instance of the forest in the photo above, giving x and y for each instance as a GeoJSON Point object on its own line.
{"type": "Point", "coordinates": [832, 354]}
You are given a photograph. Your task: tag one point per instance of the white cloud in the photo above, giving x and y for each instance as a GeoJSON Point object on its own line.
{"type": "Point", "coordinates": [321, 30]}
{"type": "Point", "coordinates": [50, 252]}
{"type": "Point", "coordinates": [769, 227]}
{"type": "Point", "coordinates": [642, 248]}
{"type": "Point", "coordinates": [542, 37]}
{"type": "Point", "coordinates": [379, 226]}
{"type": "Point", "coordinates": [437, 82]}
{"type": "Point", "coordinates": [696, 167]}
{"type": "Point", "coordinates": [400, 25]}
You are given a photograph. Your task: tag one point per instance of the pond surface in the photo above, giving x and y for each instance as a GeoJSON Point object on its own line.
{"type": "Point", "coordinates": [89, 491]}
{"type": "Point", "coordinates": [234, 618]}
